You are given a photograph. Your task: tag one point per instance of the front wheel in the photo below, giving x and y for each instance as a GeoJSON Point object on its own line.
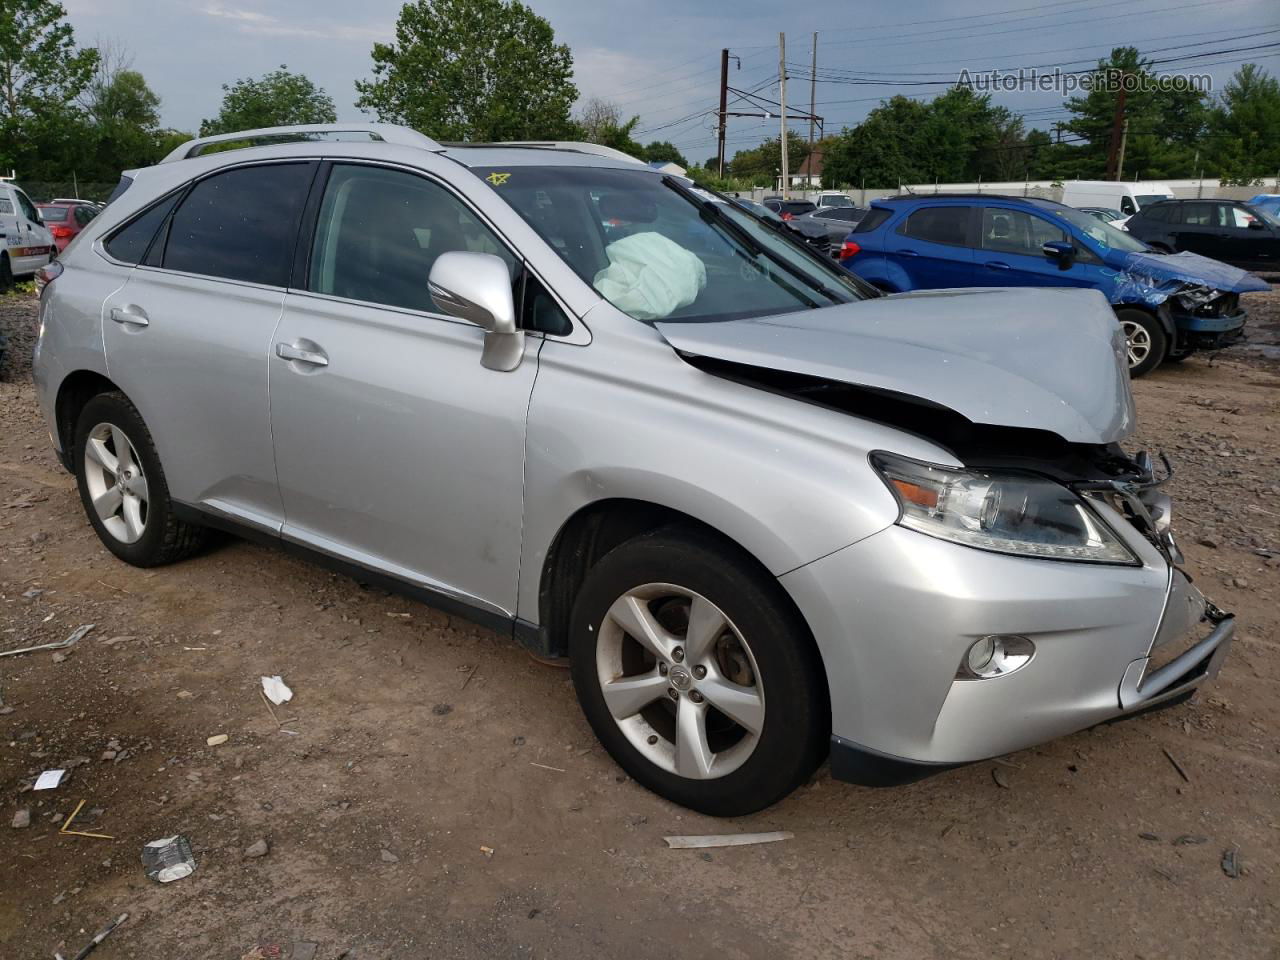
{"type": "Point", "coordinates": [697, 675]}
{"type": "Point", "coordinates": [1145, 341]}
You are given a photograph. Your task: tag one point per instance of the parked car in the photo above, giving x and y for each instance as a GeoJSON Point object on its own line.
{"type": "Point", "coordinates": [1128, 198]}
{"type": "Point", "coordinates": [1236, 233]}
{"type": "Point", "coordinates": [834, 200]}
{"type": "Point", "coordinates": [1168, 306]}
{"type": "Point", "coordinates": [25, 244]}
{"type": "Point", "coordinates": [836, 221]}
{"type": "Point", "coordinates": [66, 218]}
{"type": "Point", "coordinates": [813, 233]}
{"type": "Point", "coordinates": [1267, 202]}
{"type": "Point", "coordinates": [765, 512]}
{"type": "Point", "coordinates": [787, 209]}
{"type": "Point", "coordinates": [1105, 214]}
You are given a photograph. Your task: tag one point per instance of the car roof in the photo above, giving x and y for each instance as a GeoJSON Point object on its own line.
{"type": "Point", "coordinates": [537, 155]}
{"type": "Point", "coordinates": [969, 198]}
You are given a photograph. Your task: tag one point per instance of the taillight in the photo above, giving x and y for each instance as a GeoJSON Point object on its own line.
{"type": "Point", "coordinates": [850, 249]}
{"type": "Point", "coordinates": [60, 231]}
{"type": "Point", "coordinates": [788, 216]}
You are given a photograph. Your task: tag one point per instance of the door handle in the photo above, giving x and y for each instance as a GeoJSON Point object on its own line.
{"type": "Point", "coordinates": [135, 316]}
{"type": "Point", "coordinates": [287, 351]}
{"type": "Point", "coordinates": [997, 265]}
{"type": "Point", "coordinates": [907, 253]}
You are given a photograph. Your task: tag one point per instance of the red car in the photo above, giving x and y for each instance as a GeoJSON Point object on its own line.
{"type": "Point", "coordinates": [65, 218]}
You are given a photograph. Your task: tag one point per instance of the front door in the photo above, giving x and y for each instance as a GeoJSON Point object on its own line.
{"type": "Point", "coordinates": [188, 336]}
{"type": "Point", "coordinates": [395, 448]}
{"type": "Point", "coordinates": [29, 242]}
{"type": "Point", "coordinates": [1011, 254]}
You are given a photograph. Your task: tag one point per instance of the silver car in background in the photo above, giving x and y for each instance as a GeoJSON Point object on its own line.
{"type": "Point", "coordinates": [769, 514]}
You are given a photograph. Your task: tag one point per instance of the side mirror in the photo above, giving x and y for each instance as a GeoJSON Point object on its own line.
{"type": "Point", "coordinates": [1256, 224]}
{"type": "Point", "coordinates": [1059, 250]}
{"type": "Point", "coordinates": [476, 287]}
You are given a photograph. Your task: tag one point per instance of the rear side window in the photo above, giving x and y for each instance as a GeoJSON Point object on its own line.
{"type": "Point", "coordinates": [53, 214]}
{"type": "Point", "coordinates": [84, 215]}
{"type": "Point", "coordinates": [949, 225]}
{"type": "Point", "coordinates": [1159, 213]}
{"type": "Point", "coordinates": [240, 224]}
{"type": "Point", "coordinates": [875, 216]}
{"type": "Point", "coordinates": [129, 243]}
{"type": "Point", "coordinates": [1200, 214]}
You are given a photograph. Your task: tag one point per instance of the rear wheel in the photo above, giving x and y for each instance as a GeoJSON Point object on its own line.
{"type": "Point", "coordinates": [1145, 340]}
{"type": "Point", "coordinates": [696, 674]}
{"type": "Point", "coordinates": [6, 274]}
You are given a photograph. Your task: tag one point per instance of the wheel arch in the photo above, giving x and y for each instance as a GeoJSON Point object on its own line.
{"type": "Point", "coordinates": [76, 389]}
{"type": "Point", "coordinates": [1166, 323]}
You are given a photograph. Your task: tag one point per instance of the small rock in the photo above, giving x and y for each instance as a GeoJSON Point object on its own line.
{"type": "Point", "coordinates": [59, 657]}
{"type": "Point", "coordinates": [5, 710]}
{"type": "Point", "coordinates": [267, 806]}
{"type": "Point", "coordinates": [388, 857]}
{"type": "Point", "coordinates": [1208, 542]}
{"type": "Point", "coordinates": [185, 694]}
{"type": "Point", "coordinates": [39, 537]}
{"type": "Point", "coordinates": [1148, 836]}
{"type": "Point", "coordinates": [108, 754]}
{"type": "Point", "coordinates": [998, 776]}
{"type": "Point", "coordinates": [217, 740]}
{"type": "Point", "coordinates": [21, 819]}
{"type": "Point", "coordinates": [707, 857]}
{"type": "Point", "coordinates": [32, 594]}
{"type": "Point", "coordinates": [258, 848]}
{"type": "Point", "coordinates": [1189, 839]}
{"type": "Point", "coordinates": [1240, 583]}
{"type": "Point", "coordinates": [440, 709]}
{"type": "Point", "coordinates": [517, 741]}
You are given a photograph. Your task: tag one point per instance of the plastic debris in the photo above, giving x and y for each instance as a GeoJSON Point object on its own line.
{"type": "Point", "coordinates": [726, 840]}
{"type": "Point", "coordinates": [77, 635]}
{"type": "Point", "coordinates": [49, 779]}
{"type": "Point", "coordinates": [275, 690]}
{"type": "Point", "coordinates": [97, 938]}
{"type": "Point", "coordinates": [217, 740]}
{"type": "Point", "coordinates": [168, 859]}
{"type": "Point", "coordinates": [1231, 862]}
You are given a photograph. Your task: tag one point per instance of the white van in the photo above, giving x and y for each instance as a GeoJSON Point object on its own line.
{"type": "Point", "coordinates": [1128, 198]}
{"type": "Point", "coordinates": [25, 244]}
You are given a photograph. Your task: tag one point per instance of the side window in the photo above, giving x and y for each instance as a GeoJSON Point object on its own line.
{"type": "Point", "coordinates": [875, 216]}
{"type": "Point", "coordinates": [1157, 214]}
{"type": "Point", "coordinates": [1127, 207]}
{"type": "Point", "coordinates": [28, 208]}
{"type": "Point", "coordinates": [84, 215]}
{"type": "Point", "coordinates": [1235, 217]}
{"type": "Point", "coordinates": [1013, 231]}
{"type": "Point", "coordinates": [539, 310]}
{"type": "Point", "coordinates": [1199, 214]}
{"type": "Point", "coordinates": [6, 205]}
{"type": "Point", "coordinates": [129, 243]}
{"type": "Point", "coordinates": [240, 224]}
{"type": "Point", "coordinates": [948, 225]}
{"type": "Point", "coordinates": [380, 231]}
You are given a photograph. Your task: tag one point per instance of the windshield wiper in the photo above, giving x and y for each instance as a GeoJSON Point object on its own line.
{"type": "Point", "coordinates": [708, 209]}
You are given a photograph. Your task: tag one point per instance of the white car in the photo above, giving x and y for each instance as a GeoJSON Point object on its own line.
{"type": "Point", "coordinates": [25, 244]}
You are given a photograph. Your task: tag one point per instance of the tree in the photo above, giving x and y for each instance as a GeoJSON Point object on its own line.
{"type": "Point", "coordinates": [41, 75]}
{"type": "Point", "coordinates": [280, 98]}
{"type": "Point", "coordinates": [1244, 127]}
{"type": "Point", "coordinates": [595, 116]}
{"type": "Point", "coordinates": [663, 151]}
{"type": "Point", "coordinates": [762, 164]}
{"type": "Point", "coordinates": [121, 117]}
{"type": "Point", "coordinates": [472, 70]}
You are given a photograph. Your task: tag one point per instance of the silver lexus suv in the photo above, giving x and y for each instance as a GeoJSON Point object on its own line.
{"type": "Point", "coordinates": [768, 514]}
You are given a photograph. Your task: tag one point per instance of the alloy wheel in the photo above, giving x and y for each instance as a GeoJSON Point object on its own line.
{"type": "Point", "coordinates": [116, 481]}
{"type": "Point", "coordinates": [1138, 341]}
{"type": "Point", "coordinates": [680, 681]}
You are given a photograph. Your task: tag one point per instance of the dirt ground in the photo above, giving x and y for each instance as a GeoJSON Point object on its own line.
{"type": "Point", "coordinates": [436, 793]}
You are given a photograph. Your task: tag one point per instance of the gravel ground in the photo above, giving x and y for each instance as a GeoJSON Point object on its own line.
{"type": "Point", "coordinates": [432, 792]}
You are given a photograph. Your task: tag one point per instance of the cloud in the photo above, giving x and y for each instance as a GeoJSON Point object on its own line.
{"type": "Point", "coordinates": [251, 21]}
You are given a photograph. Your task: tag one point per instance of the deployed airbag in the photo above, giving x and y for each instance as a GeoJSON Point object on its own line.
{"type": "Point", "coordinates": [649, 277]}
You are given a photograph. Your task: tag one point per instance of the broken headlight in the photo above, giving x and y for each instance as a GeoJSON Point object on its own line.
{"type": "Point", "coordinates": [1012, 513]}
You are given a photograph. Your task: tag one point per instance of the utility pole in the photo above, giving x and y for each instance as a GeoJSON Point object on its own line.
{"type": "Point", "coordinates": [782, 101]}
{"type": "Point", "coordinates": [724, 106]}
{"type": "Point", "coordinates": [813, 98]}
{"type": "Point", "coordinates": [1117, 132]}
{"type": "Point", "coordinates": [1124, 136]}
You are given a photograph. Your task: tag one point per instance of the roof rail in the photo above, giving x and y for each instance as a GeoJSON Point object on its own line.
{"type": "Point", "coordinates": [381, 132]}
{"type": "Point", "coordinates": [594, 149]}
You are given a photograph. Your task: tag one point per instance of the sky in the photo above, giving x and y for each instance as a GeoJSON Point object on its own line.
{"type": "Point", "coordinates": [659, 59]}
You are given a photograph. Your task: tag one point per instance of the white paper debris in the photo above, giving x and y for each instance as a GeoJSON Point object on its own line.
{"type": "Point", "coordinates": [276, 690]}
{"type": "Point", "coordinates": [49, 779]}
{"type": "Point", "coordinates": [217, 740]}
{"type": "Point", "coordinates": [726, 840]}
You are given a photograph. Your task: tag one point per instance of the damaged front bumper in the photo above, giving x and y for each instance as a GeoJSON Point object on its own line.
{"type": "Point", "coordinates": [1197, 331]}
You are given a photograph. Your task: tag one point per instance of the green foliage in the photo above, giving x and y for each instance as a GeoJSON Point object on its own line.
{"type": "Point", "coordinates": [123, 116]}
{"type": "Point", "coordinates": [1244, 128]}
{"type": "Point", "coordinates": [618, 136]}
{"type": "Point", "coordinates": [663, 151]}
{"type": "Point", "coordinates": [41, 75]}
{"type": "Point", "coordinates": [472, 70]}
{"type": "Point", "coordinates": [280, 98]}
{"type": "Point", "coordinates": [761, 165]}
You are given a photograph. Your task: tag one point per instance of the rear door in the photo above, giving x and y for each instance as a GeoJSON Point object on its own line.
{"type": "Point", "coordinates": [188, 337]}
{"type": "Point", "coordinates": [30, 245]}
{"type": "Point", "coordinates": [933, 248]}
{"type": "Point", "coordinates": [1250, 242]}
{"type": "Point", "coordinates": [1199, 230]}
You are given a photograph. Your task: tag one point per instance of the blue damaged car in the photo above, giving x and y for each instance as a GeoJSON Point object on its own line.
{"type": "Point", "coordinates": [1169, 305]}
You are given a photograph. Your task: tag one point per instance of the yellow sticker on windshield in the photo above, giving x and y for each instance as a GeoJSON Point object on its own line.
{"type": "Point", "coordinates": [498, 179]}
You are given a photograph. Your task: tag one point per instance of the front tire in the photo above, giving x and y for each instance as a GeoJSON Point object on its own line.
{"type": "Point", "coordinates": [1145, 339]}
{"type": "Point", "coordinates": [122, 485]}
{"type": "Point", "coordinates": [697, 674]}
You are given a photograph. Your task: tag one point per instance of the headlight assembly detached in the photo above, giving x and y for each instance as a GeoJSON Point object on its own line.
{"type": "Point", "coordinates": [1012, 513]}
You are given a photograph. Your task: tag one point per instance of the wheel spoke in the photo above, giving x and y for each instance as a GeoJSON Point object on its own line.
{"type": "Point", "coordinates": [99, 454]}
{"type": "Point", "coordinates": [627, 696]}
{"type": "Point", "coordinates": [132, 514]}
{"type": "Point", "coordinates": [107, 503]}
{"type": "Point", "coordinates": [706, 623]}
{"type": "Point", "coordinates": [124, 453]}
{"type": "Point", "coordinates": [742, 705]}
{"type": "Point", "coordinates": [1133, 357]}
{"type": "Point", "coordinates": [137, 485]}
{"type": "Point", "coordinates": [693, 753]}
{"type": "Point", "coordinates": [632, 615]}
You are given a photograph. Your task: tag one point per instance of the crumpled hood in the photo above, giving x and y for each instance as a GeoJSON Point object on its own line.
{"type": "Point", "coordinates": [1045, 359]}
{"type": "Point", "coordinates": [1154, 277]}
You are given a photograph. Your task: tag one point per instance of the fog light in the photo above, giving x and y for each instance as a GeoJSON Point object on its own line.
{"type": "Point", "coordinates": [995, 656]}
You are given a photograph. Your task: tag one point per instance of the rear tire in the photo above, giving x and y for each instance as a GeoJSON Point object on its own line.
{"type": "Point", "coordinates": [6, 274]}
{"type": "Point", "coordinates": [122, 486]}
{"type": "Point", "coordinates": [1146, 340]}
{"type": "Point", "coordinates": [677, 711]}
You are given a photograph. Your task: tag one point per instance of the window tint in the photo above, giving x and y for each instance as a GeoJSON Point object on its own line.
{"type": "Point", "coordinates": [381, 230]}
{"type": "Point", "coordinates": [846, 214]}
{"type": "Point", "coordinates": [129, 243]}
{"type": "Point", "coordinates": [939, 225]}
{"type": "Point", "coordinates": [240, 224]}
{"type": "Point", "coordinates": [875, 216]}
{"type": "Point", "coordinates": [1159, 213]}
{"type": "Point", "coordinates": [53, 214]}
{"type": "Point", "coordinates": [1126, 206]}
{"type": "Point", "coordinates": [1199, 214]}
{"type": "Point", "coordinates": [1232, 216]}
{"type": "Point", "coordinates": [84, 215]}
{"type": "Point", "coordinates": [1013, 231]}
{"type": "Point", "coordinates": [540, 311]}
{"type": "Point", "coordinates": [28, 208]}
